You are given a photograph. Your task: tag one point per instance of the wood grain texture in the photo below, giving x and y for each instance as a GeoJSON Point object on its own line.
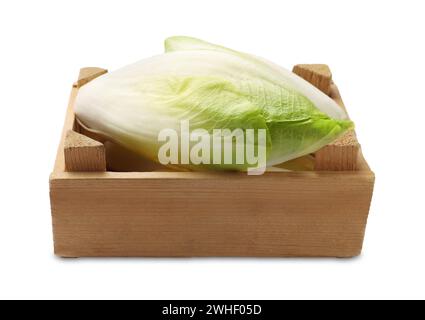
{"type": "Point", "coordinates": [88, 74]}
{"type": "Point", "coordinates": [218, 215]}
{"type": "Point", "coordinates": [318, 75]}
{"type": "Point", "coordinates": [83, 153]}
{"type": "Point", "coordinates": [186, 214]}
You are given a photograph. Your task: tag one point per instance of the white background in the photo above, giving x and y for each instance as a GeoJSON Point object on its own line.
{"type": "Point", "coordinates": [376, 51]}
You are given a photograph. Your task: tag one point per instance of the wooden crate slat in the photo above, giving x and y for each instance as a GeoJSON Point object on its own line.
{"type": "Point", "coordinates": [83, 153]}
{"type": "Point", "coordinates": [187, 214]}
{"type": "Point", "coordinates": [88, 74]}
{"type": "Point", "coordinates": [319, 75]}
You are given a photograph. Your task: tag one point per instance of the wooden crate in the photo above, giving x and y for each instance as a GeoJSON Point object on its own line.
{"type": "Point", "coordinates": [101, 213]}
